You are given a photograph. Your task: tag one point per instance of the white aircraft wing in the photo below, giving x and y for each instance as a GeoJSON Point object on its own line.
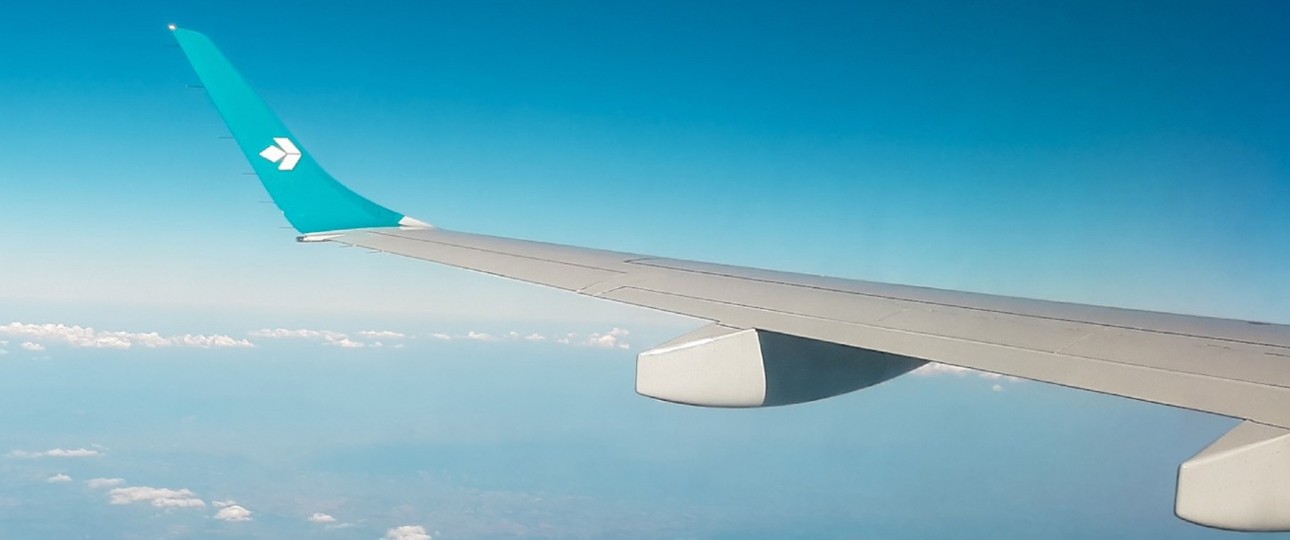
{"type": "Point", "coordinates": [779, 338]}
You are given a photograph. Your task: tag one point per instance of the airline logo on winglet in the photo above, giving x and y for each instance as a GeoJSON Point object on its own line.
{"type": "Point", "coordinates": [284, 153]}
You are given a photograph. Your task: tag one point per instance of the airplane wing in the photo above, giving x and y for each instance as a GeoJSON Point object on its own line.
{"type": "Point", "coordinates": [780, 338]}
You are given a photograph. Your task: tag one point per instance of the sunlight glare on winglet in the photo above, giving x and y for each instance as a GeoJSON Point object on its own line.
{"type": "Point", "coordinates": [413, 223]}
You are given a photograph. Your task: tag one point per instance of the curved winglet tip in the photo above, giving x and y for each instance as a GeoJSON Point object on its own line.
{"type": "Point", "coordinates": [413, 223]}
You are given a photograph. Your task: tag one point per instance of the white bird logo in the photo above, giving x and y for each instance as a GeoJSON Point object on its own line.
{"type": "Point", "coordinates": [284, 153]}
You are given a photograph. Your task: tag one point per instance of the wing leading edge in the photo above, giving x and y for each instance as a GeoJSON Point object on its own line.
{"type": "Point", "coordinates": [773, 330]}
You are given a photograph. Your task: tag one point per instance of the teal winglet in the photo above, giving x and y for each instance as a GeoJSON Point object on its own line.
{"type": "Point", "coordinates": [310, 198]}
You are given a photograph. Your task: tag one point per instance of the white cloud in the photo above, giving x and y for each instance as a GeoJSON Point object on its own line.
{"type": "Point", "coordinates": [222, 504]}
{"type": "Point", "coordinates": [33, 347]}
{"type": "Point", "coordinates": [345, 343]}
{"type": "Point", "coordinates": [320, 517]}
{"type": "Point", "coordinates": [932, 369]}
{"type": "Point", "coordinates": [407, 532]}
{"type": "Point", "coordinates": [479, 336]}
{"type": "Point", "coordinates": [233, 513]}
{"type": "Point", "coordinates": [99, 483]}
{"type": "Point", "coordinates": [206, 342]}
{"type": "Point", "coordinates": [59, 479]}
{"type": "Point", "coordinates": [329, 337]}
{"type": "Point", "coordinates": [299, 333]}
{"type": "Point", "coordinates": [56, 452]}
{"type": "Point", "coordinates": [935, 368]}
{"type": "Point", "coordinates": [613, 339]}
{"type": "Point", "coordinates": [471, 335]}
{"type": "Point", "coordinates": [87, 337]}
{"type": "Point", "coordinates": [179, 503]}
{"type": "Point", "coordinates": [604, 341]}
{"type": "Point", "coordinates": [158, 497]}
{"type": "Point", "coordinates": [79, 452]}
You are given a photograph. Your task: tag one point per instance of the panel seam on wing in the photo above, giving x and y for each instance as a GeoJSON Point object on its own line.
{"type": "Point", "coordinates": [495, 252]}
{"type": "Point", "coordinates": [640, 262]}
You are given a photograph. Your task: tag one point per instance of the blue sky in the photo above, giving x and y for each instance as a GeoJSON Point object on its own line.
{"type": "Point", "coordinates": [1093, 152]}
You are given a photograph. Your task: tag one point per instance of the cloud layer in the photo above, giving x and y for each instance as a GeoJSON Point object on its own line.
{"type": "Point", "coordinates": [612, 339]}
{"type": "Point", "coordinates": [37, 335]}
{"type": "Point", "coordinates": [56, 452]}
{"type": "Point", "coordinates": [327, 337]}
{"type": "Point", "coordinates": [158, 497]}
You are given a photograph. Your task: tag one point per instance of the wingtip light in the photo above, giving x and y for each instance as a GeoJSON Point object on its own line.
{"type": "Point", "coordinates": [172, 27]}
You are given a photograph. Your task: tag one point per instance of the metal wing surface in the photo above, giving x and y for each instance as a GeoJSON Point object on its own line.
{"type": "Point", "coordinates": [1228, 367]}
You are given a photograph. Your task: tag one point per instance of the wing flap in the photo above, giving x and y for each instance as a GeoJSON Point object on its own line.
{"type": "Point", "coordinates": [1203, 356]}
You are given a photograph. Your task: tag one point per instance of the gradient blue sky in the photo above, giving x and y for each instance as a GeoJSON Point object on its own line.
{"type": "Point", "coordinates": [1094, 152]}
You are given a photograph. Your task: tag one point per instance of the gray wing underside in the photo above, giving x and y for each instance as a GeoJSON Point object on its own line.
{"type": "Point", "coordinates": [1233, 368]}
